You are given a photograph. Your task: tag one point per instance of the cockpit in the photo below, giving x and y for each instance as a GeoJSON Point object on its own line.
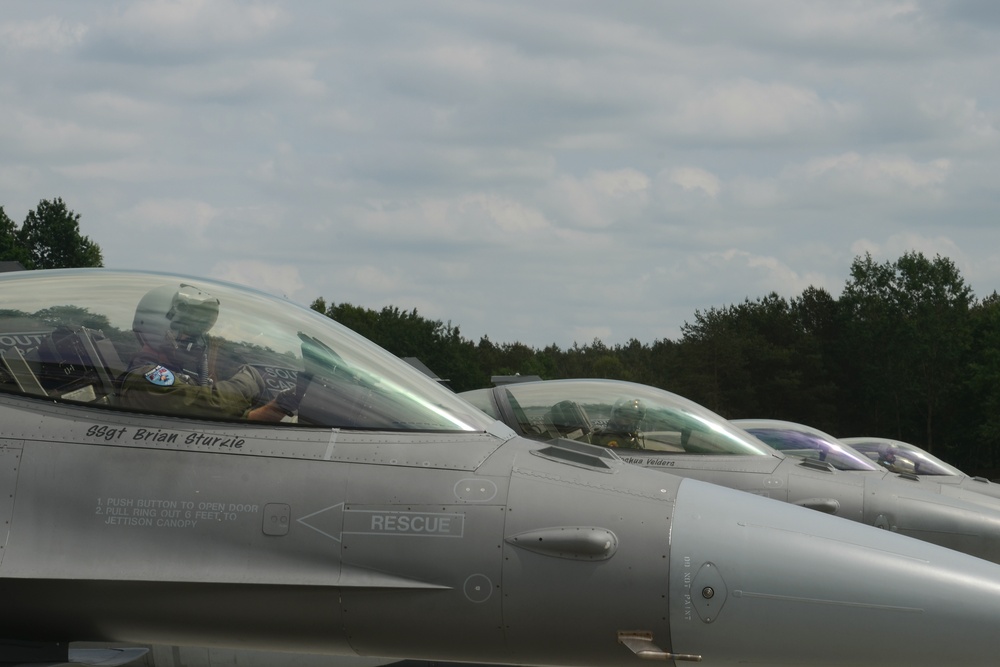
{"type": "Point", "coordinates": [807, 443]}
{"type": "Point", "coordinates": [902, 457]}
{"type": "Point", "coordinates": [621, 415]}
{"type": "Point", "coordinates": [79, 336]}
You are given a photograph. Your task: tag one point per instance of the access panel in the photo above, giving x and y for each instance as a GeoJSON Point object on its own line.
{"type": "Point", "coordinates": [10, 459]}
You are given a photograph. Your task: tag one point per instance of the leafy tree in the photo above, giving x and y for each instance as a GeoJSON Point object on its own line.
{"type": "Point", "coordinates": [907, 328]}
{"type": "Point", "coordinates": [935, 301]}
{"type": "Point", "coordinates": [662, 362]}
{"type": "Point", "coordinates": [513, 359]}
{"type": "Point", "coordinates": [905, 352]}
{"type": "Point", "coordinates": [817, 317]}
{"type": "Point", "coordinates": [871, 373]}
{"type": "Point", "coordinates": [406, 334]}
{"type": "Point", "coordinates": [713, 365]}
{"type": "Point", "coordinates": [609, 366]}
{"type": "Point", "coordinates": [976, 436]}
{"type": "Point", "coordinates": [756, 359]}
{"type": "Point", "coordinates": [51, 237]}
{"type": "Point", "coordinates": [546, 363]}
{"type": "Point", "coordinates": [635, 361]}
{"type": "Point", "coordinates": [10, 246]}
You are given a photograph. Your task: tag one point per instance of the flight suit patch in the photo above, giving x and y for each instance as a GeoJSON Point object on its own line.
{"type": "Point", "coordinates": [160, 376]}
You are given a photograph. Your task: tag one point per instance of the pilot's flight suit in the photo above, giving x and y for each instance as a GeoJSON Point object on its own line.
{"type": "Point", "coordinates": [623, 439]}
{"type": "Point", "coordinates": [156, 387]}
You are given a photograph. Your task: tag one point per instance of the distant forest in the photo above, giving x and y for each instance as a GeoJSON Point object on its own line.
{"type": "Point", "coordinates": [906, 352]}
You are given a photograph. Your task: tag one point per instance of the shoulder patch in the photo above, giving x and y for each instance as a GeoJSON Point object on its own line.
{"type": "Point", "coordinates": [160, 376]}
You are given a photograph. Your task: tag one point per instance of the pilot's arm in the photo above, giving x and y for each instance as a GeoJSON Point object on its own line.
{"type": "Point", "coordinates": [155, 388]}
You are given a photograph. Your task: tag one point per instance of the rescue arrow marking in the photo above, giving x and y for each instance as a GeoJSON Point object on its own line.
{"type": "Point", "coordinates": [335, 522]}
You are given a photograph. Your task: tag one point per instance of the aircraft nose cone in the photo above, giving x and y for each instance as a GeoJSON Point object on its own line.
{"type": "Point", "coordinates": [755, 581]}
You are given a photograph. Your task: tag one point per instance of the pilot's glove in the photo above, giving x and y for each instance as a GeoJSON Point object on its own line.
{"type": "Point", "coordinates": [288, 399]}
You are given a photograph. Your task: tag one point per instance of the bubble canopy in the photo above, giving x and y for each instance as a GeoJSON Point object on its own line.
{"type": "Point", "coordinates": [68, 335]}
{"type": "Point", "coordinates": [584, 410]}
{"type": "Point", "coordinates": [902, 457]}
{"type": "Point", "coordinates": [806, 442]}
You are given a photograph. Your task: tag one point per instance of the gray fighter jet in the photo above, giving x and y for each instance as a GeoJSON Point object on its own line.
{"type": "Point", "coordinates": [658, 429]}
{"type": "Point", "coordinates": [891, 459]}
{"type": "Point", "coordinates": [904, 458]}
{"type": "Point", "coordinates": [190, 463]}
{"type": "Point", "coordinates": [860, 453]}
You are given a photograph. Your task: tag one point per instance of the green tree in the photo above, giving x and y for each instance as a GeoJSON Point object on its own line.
{"type": "Point", "coordinates": [438, 345]}
{"type": "Point", "coordinates": [755, 359]}
{"type": "Point", "coordinates": [662, 365]}
{"type": "Point", "coordinates": [905, 352]}
{"type": "Point", "coordinates": [935, 301]}
{"type": "Point", "coordinates": [907, 329]}
{"type": "Point", "coordinates": [51, 237]}
{"type": "Point", "coordinates": [713, 369]}
{"type": "Point", "coordinates": [979, 430]}
{"type": "Point", "coordinates": [871, 368]}
{"type": "Point", "coordinates": [11, 249]}
{"type": "Point", "coordinates": [817, 317]}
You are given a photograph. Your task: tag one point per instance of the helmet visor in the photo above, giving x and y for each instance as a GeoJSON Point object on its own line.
{"type": "Point", "coordinates": [192, 312]}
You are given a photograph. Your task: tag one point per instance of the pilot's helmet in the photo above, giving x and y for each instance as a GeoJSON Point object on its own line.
{"type": "Point", "coordinates": [169, 317]}
{"type": "Point", "coordinates": [887, 456]}
{"type": "Point", "coordinates": [628, 413]}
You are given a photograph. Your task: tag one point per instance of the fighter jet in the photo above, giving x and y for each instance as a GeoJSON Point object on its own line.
{"type": "Point", "coordinates": [905, 458]}
{"type": "Point", "coordinates": [891, 459]}
{"type": "Point", "coordinates": [190, 463]}
{"type": "Point", "coordinates": [658, 429]}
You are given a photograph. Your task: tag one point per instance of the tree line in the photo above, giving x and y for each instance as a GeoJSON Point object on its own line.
{"type": "Point", "coordinates": [906, 351]}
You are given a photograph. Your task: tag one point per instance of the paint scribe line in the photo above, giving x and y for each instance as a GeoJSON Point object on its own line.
{"type": "Point", "coordinates": [836, 603]}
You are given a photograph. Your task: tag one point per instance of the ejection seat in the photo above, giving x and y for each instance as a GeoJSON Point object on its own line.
{"type": "Point", "coordinates": [566, 419]}
{"type": "Point", "coordinates": [78, 364]}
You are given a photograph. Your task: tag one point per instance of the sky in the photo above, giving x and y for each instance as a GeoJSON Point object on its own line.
{"type": "Point", "coordinates": [537, 172]}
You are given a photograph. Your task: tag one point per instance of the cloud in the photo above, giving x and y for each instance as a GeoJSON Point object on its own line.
{"type": "Point", "coordinates": [961, 119]}
{"type": "Point", "coordinates": [693, 178]}
{"type": "Point", "coordinates": [757, 275]}
{"type": "Point", "coordinates": [181, 30]}
{"type": "Point", "coordinates": [277, 279]}
{"type": "Point", "coordinates": [854, 179]}
{"type": "Point", "coordinates": [532, 172]}
{"type": "Point", "coordinates": [750, 110]}
{"type": "Point", "coordinates": [875, 169]}
{"type": "Point", "coordinates": [481, 217]}
{"type": "Point", "coordinates": [598, 200]}
{"type": "Point", "coordinates": [48, 33]}
{"type": "Point", "coordinates": [896, 245]}
{"type": "Point", "coordinates": [31, 134]}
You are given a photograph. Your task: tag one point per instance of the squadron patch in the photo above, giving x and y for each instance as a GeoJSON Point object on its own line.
{"type": "Point", "coordinates": [160, 376]}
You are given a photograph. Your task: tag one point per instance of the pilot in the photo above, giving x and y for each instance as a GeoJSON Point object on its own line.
{"type": "Point", "coordinates": [171, 371]}
{"type": "Point", "coordinates": [887, 457]}
{"type": "Point", "coordinates": [622, 429]}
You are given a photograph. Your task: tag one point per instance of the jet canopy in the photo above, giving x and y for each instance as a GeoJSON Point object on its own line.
{"type": "Point", "coordinates": [902, 457]}
{"type": "Point", "coordinates": [614, 414]}
{"type": "Point", "coordinates": [806, 442]}
{"type": "Point", "coordinates": [71, 335]}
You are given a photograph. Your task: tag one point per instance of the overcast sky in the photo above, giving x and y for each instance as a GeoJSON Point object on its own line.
{"type": "Point", "coordinates": [540, 172]}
